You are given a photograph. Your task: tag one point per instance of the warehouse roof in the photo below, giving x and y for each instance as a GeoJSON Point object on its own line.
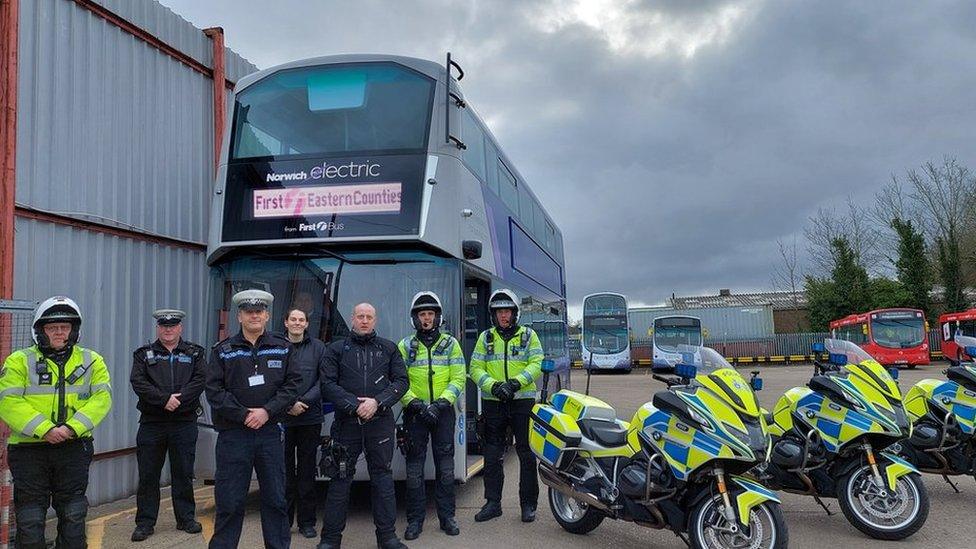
{"type": "Point", "coordinates": [725, 298]}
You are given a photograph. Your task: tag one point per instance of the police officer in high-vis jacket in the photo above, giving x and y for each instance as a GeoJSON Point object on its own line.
{"type": "Point", "coordinates": [52, 396]}
{"type": "Point", "coordinates": [435, 366]}
{"type": "Point", "coordinates": [250, 384]}
{"type": "Point", "coordinates": [507, 360]}
{"type": "Point", "coordinates": [168, 376]}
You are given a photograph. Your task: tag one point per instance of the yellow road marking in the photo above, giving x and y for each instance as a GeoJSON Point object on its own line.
{"type": "Point", "coordinates": [476, 466]}
{"type": "Point", "coordinates": [96, 526]}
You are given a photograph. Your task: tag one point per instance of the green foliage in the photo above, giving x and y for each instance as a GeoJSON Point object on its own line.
{"type": "Point", "coordinates": [887, 293]}
{"type": "Point", "coordinates": [950, 272]}
{"type": "Point", "coordinates": [822, 302]}
{"type": "Point", "coordinates": [912, 266]}
{"type": "Point", "coordinates": [849, 277]}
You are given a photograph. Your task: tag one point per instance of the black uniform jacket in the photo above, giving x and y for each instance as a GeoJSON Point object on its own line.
{"type": "Point", "coordinates": [363, 366]}
{"type": "Point", "coordinates": [242, 376]}
{"type": "Point", "coordinates": [307, 358]}
{"type": "Point", "coordinates": [157, 374]}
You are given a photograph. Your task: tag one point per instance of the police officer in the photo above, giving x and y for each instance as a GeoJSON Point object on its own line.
{"type": "Point", "coordinates": [303, 424]}
{"type": "Point", "coordinates": [506, 361]}
{"type": "Point", "coordinates": [168, 376]}
{"type": "Point", "coordinates": [364, 377]}
{"type": "Point", "coordinates": [435, 366]}
{"type": "Point", "coordinates": [52, 396]}
{"type": "Point", "coordinates": [250, 384]}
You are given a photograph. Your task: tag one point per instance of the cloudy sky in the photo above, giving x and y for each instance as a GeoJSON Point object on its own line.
{"type": "Point", "coordinates": [673, 141]}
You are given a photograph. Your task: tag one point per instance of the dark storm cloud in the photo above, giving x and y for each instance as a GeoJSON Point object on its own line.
{"type": "Point", "coordinates": [672, 141]}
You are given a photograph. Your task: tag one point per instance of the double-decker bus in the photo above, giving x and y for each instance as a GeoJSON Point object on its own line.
{"type": "Point", "coordinates": [605, 337]}
{"type": "Point", "coordinates": [894, 337]}
{"type": "Point", "coordinates": [670, 332]}
{"type": "Point", "coordinates": [368, 178]}
{"type": "Point", "coordinates": [950, 324]}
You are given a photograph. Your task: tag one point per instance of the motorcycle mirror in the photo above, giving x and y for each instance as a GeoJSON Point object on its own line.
{"type": "Point", "coordinates": [838, 359]}
{"type": "Point", "coordinates": [894, 373]}
{"type": "Point", "coordinates": [686, 370]}
{"type": "Point", "coordinates": [757, 383]}
{"type": "Point", "coordinates": [548, 366]}
{"type": "Point", "coordinates": [817, 347]}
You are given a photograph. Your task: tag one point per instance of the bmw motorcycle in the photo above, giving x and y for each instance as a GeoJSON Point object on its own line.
{"type": "Point", "coordinates": [943, 416]}
{"type": "Point", "coordinates": [829, 441]}
{"type": "Point", "coordinates": [675, 465]}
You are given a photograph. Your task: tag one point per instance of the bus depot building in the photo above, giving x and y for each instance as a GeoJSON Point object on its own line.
{"type": "Point", "coordinates": [112, 112]}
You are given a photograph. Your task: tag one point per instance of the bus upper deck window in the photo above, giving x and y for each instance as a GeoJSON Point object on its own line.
{"type": "Point", "coordinates": [336, 89]}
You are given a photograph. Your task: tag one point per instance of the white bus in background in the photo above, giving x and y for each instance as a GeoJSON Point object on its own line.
{"type": "Point", "coordinates": [669, 333]}
{"type": "Point", "coordinates": [605, 336]}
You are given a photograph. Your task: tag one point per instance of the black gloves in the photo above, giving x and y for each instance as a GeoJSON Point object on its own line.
{"type": "Point", "coordinates": [514, 386]}
{"type": "Point", "coordinates": [415, 406]}
{"type": "Point", "coordinates": [443, 404]}
{"type": "Point", "coordinates": [431, 415]}
{"type": "Point", "coordinates": [502, 391]}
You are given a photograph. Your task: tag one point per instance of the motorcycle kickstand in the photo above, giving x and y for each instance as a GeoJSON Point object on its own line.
{"type": "Point", "coordinates": [824, 505]}
{"type": "Point", "coordinates": [683, 538]}
{"type": "Point", "coordinates": [946, 477]}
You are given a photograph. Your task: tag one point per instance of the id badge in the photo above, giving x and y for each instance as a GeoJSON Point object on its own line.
{"type": "Point", "coordinates": [255, 380]}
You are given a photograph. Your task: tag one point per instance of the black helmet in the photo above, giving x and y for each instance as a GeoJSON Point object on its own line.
{"type": "Point", "coordinates": [503, 299]}
{"type": "Point", "coordinates": [56, 309]}
{"type": "Point", "coordinates": [426, 301]}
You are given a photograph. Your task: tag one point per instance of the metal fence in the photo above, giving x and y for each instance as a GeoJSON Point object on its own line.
{"type": "Point", "coordinates": [778, 345]}
{"type": "Point", "coordinates": [15, 333]}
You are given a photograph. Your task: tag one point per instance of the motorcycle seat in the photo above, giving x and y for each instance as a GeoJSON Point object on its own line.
{"type": "Point", "coordinates": [609, 434]}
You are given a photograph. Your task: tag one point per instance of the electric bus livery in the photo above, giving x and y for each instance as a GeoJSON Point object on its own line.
{"type": "Point", "coordinates": [670, 333]}
{"type": "Point", "coordinates": [368, 178]}
{"type": "Point", "coordinates": [952, 324]}
{"type": "Point", "coordinates": [894, 337]}
{"type": "Point", "coordinates": [605, 337]}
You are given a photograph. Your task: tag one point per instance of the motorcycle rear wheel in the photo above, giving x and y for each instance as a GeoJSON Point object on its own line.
{"type": "Point", "coordinates": [573, 515]}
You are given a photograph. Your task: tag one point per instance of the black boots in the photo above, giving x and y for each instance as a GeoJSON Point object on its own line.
{"type": "Point", "coordinates": [528, 512]}
{"type": "Point", "coordinates": [491, 509]}
{"type": "Point", "coordinates": [450, 526]}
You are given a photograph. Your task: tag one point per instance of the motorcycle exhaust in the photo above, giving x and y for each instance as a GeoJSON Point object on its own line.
{"type": "Point", "coordinates": [553, 480]}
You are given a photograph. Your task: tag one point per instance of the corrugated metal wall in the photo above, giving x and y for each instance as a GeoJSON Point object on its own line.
{"type": "Point", "coordinates": [113, 130]}
{"type": "Point", "coordinates": [722, 323]}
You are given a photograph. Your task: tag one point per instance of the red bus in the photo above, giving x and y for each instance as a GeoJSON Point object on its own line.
{"type": "Point", "coordinates": [963, 323]}
{"type": "Point", "coordinates": [893, 337]}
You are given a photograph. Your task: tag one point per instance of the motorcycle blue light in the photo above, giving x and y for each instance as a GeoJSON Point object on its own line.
{"type": "Point", "coordinates": [817, 347]}
{"type": "Point", "coordinates": [548, 365]}
{"type": "Point", "coordinates": [894, 373]}
{"type": "Point", "coordinates": [757, 383]}
{"type": "Point", "coordinates": [971, 351]}
{"type": "Point", "coordinates": [686, 370]}
{"type": "Point", "coordinates": [838, 359]}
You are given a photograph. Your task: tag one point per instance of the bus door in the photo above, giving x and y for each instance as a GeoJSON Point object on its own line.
{"type": "Point", "coordinates": [475, 306]}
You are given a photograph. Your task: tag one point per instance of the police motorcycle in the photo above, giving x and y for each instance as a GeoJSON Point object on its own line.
{"type": "Point", "coordinates": [675, 465]}
{"type": "Point", "coordinates": [943, 416]}
{"type": "Point", "coordinates": [829, 441]}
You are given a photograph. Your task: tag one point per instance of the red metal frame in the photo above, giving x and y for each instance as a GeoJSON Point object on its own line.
{"type": "Point", "coordinates": [914, 356]}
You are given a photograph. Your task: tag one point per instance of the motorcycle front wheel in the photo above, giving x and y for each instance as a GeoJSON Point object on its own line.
{"type": "Point", "coordinates": [708, 528]}
{"type": "Point", "coordinates": [879, 512]}
{"type": "Point", "coordinates": [573, 515]}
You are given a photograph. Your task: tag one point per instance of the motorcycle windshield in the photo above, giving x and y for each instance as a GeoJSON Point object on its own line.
{"type": "Point", "coordinates": [716, 374]}
{"type": "Point", "coordinates": [866, 369]}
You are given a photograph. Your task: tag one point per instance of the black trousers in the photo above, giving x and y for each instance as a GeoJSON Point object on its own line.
{"type": "Point", "coordinates": [238, 453]}
{"type": "Point", "coordinates": [301, 445]}
{"type": "Point", "coordinates": [51, 474]}
{"type": "Point", "coordinates": [155, 441]}
{"type": "Point", "coordinates": [499, 417]}
{"type": "Point", "coordinates": [377, 439]}
{"type": "Point", "coordinates": [442, 442]}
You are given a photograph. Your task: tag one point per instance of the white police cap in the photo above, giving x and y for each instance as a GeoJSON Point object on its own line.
{"type": "Point", "coordinates": [168, 317]}
{"type": "Point", "coordinates": [253, 299]}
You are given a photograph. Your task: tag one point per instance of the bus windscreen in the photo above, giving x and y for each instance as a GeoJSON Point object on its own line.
{"type": "Point", "coordinates": [668, 335]}
{"type": "Point", "coordinates": [898, 332]}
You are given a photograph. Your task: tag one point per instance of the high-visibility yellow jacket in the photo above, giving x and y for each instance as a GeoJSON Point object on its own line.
{"type": "Point", "coordinates": [434, 373]}
{"type": "Point", "coordinates": [495, 359]}
{"type": "Point", "coordinates": [36, 394]}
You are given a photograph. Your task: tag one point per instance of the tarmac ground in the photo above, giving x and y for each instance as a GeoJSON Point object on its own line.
{"type": "Point", "coordinates": [950, 522]}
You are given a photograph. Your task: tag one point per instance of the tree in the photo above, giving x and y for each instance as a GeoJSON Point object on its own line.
{"type": "Point", "coordinates": [912, 265]}
{"type": "Point", "coordinates": [950, 272]}
{"type": "Point", "coordinates": [886, 293]}
{"type": "Point", "coordinates": [856, 228]}
{"type": "Point", "coordinates": [786, 276]}
{"type": "Point", "coordinates": [822, 302]}
{"type": "Point", "coordinates": [850, 278]}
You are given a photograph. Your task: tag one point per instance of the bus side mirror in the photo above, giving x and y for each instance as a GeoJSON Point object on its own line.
{"type": "Point", "coordinates": [548, 366]}
{"type": "Point", "coordinates": [818, 347]}
{"type": "Point", "coordinates": [471, 249]}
